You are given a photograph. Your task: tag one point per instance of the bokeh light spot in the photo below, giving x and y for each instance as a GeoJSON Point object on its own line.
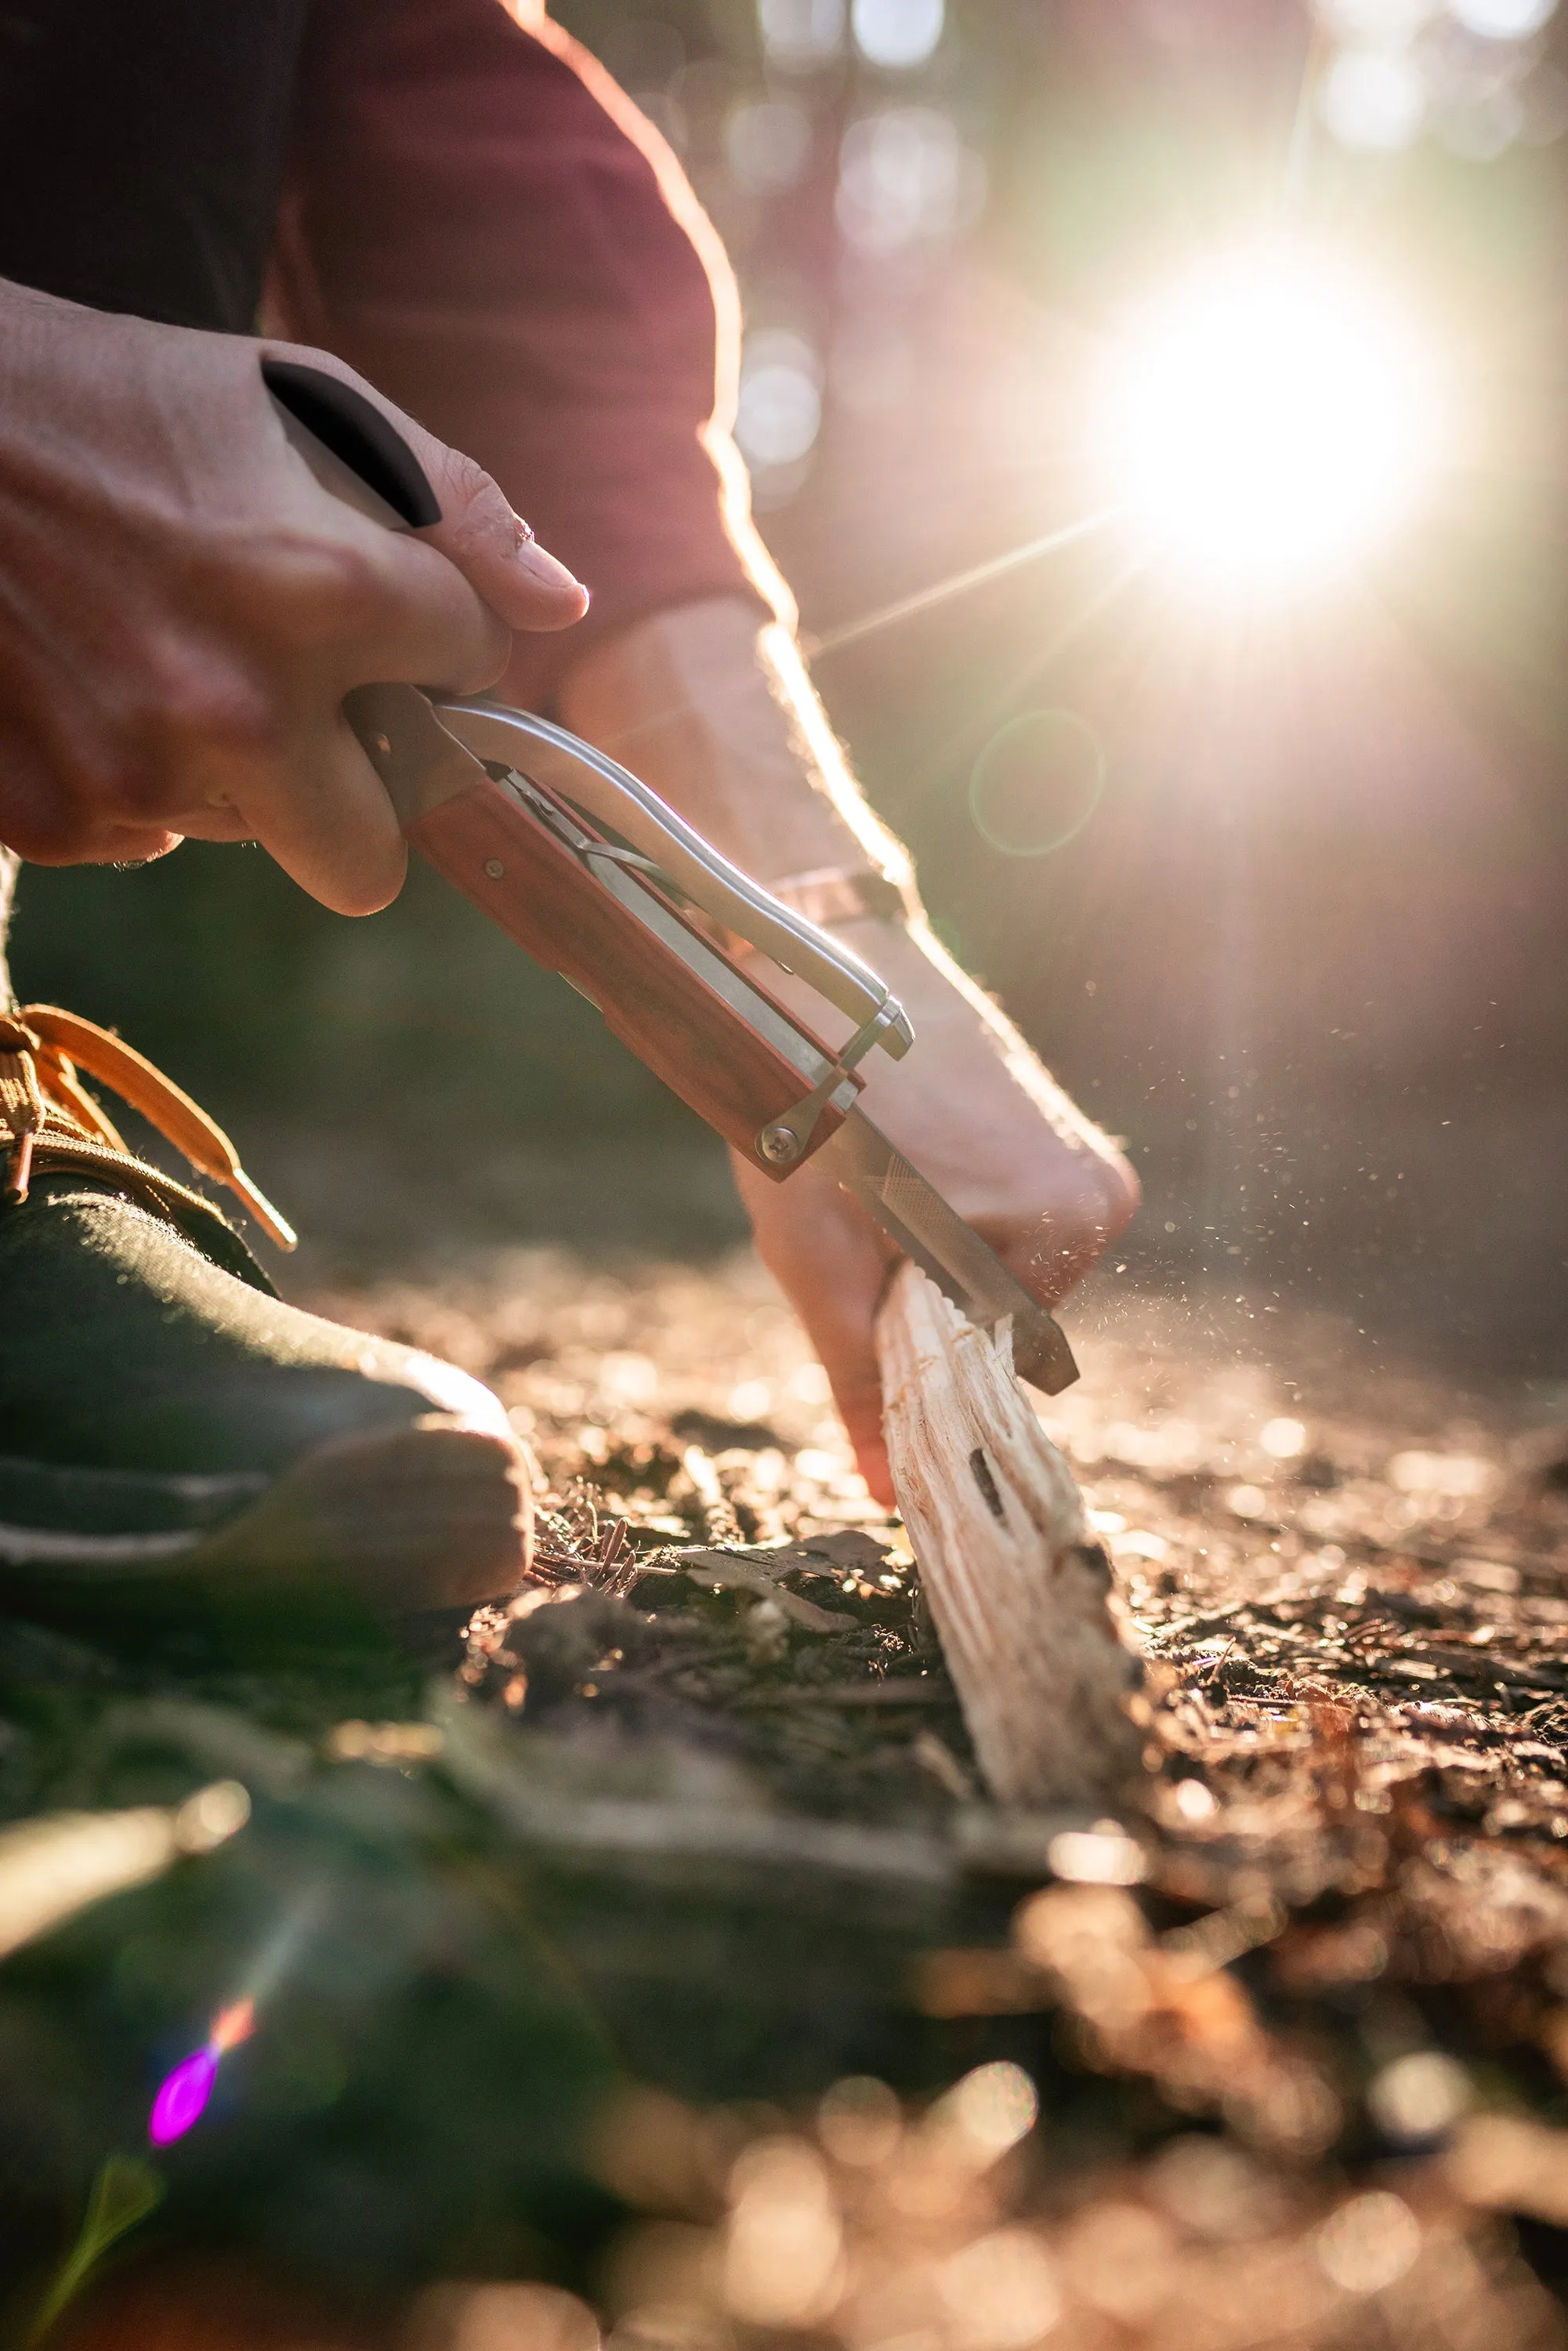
{"type": "Point", "coordinates": [800, 34]}
{"type": "Point", "coordinates": [897, 34]}
{"type": "Point", "coordinates": [1037, 783]}
{"type": "Point", "coordinates": [767, 144]}
{"type": "Point", "coordinates": [1369, 2243]}
{"type": "Point", "coordinates": [780, 411]}
{"type": "Point", "coordinates": [1503, 20]}
{"type": "Point", "coordinates": [1000, 2292]}
{"type": "Point", "coordinates": [859, 2120]}
{"type": "Point", "coordinates": [211, 1816]}
{"type": "Point", "coordinates": [1099, 1857]}
{"type": "Point", "coordinates": [904, 176]}
{"type": "Point", "coordinates": [1374, 100]}
{"type": "Point", "coordinates": [1283, 1439]}
{"type": "Point", "coordinates": [994, 2107]}
{"type": "Point", "coordinates": [1419, 2097]}
{"type": "Point", "coordinates": [784, 2240]}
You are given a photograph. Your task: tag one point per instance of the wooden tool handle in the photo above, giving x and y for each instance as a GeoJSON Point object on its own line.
{"type": "Point", "coordinates": [514, 868]}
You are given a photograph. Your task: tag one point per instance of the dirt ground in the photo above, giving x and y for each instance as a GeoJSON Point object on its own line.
{"type": "Point", "coordinates": [1276, 2057]}
{"type": "Point", "coordinates": [1296, 2027]}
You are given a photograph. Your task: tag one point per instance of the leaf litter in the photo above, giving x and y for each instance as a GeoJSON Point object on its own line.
{"type": "Point", "coordinates": [1280, 2055]}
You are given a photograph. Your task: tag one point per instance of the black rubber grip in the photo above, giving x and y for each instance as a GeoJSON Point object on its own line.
{"type": "Point", "coordinates": [357, 432]}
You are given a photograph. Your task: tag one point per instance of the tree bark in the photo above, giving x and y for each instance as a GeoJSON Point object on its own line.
{"type": "Point", "coordinates": [1018, 1585]}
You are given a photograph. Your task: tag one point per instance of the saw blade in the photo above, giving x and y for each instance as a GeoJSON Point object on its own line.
{"type": "Point", "coordinates": [912, 1213]}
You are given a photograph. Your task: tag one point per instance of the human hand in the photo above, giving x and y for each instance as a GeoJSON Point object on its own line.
{"type": "Point", "coordinates": [183, 606]}
{"type": "Point", "coordinates": [974, 1111]}
{"type": "Point", "coordinates": [713, 709]}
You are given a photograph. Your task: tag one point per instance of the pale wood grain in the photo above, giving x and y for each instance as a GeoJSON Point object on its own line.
{"type": "Point", "coordinates": [1018, 1585]}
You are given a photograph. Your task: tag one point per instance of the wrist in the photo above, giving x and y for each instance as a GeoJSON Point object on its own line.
{"type": "Point", "coordinates": [831, 896]}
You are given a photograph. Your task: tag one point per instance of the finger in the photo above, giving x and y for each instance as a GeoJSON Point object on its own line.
{"type": "Point", "coordinates": [831, 1262]}
{"type": "Point", "coordinates": [325, 818]}
{"type": "Point", "coordinates": [48, 821]}
{"type": "Point", "coordinates": [109, 844]}
{"type": "Point", "coordinates": [211, 822]}
{"type": "Point", "coordinates": [495, 549]}
{"type": "Point", "coordinates": [1092, 1198]}
{"type": "Point", "coordinates": [478, 533]}
{"type": "Point", "coordinates": [419, 622]}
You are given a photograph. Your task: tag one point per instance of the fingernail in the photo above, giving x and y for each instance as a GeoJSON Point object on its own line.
{"type": "Point", "coordinates": [544, 567]}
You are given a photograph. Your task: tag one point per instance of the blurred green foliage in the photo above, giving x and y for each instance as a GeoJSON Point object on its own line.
{"type": "Point", "coordinates": [420, 1020]}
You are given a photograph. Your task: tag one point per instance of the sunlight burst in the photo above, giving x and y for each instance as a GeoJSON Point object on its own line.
{"type": "Point", "coordinates": [1269, 418]}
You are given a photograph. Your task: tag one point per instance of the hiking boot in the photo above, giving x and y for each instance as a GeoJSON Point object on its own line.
{"type": "Point", "coordinates": [171, 1431]}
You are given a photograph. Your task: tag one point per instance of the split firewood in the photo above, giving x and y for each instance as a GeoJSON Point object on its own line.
{"type": "Point", "coordinates": [1017, 1586]}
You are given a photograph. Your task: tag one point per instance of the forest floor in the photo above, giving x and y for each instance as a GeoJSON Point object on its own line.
{"type": "Point", "coordinates": [1324, 1960]}
{"type": "Point", "coordinates": [1278, 2056]}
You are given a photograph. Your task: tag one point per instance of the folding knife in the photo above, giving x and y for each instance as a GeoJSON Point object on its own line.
{"type": "Point", "coordinates": [592, 873]}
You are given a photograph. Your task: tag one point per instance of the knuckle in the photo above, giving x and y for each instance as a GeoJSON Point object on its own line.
{"type": "Point", "coordinates": [321, 586]}
{"type": "Point", "coordinates": [466, 478]}
{"type": "Point", "coordinates": [480, 508]}
{"type": "Point", "coordinates": [196, 714]}
{"type": "Point", "coordinates": [283, 592]}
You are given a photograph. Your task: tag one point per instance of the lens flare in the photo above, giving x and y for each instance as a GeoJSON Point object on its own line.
{"type": "Point", "coordinates": [182, 2097]}
{"type": "Point", "coordinates": [1269, 418]}
{"type": "Point", "coordinates": [231, 2026]}
{"type": "Point", "coordinates": [182, 2094]}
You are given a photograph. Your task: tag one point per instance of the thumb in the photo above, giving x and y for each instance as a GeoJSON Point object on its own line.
{"type": "Point", "coordinates": [478, 531]}
{"type": "Point", "coordinates": [495, 548]}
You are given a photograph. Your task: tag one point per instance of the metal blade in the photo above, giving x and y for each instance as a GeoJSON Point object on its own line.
{"type": "Point", "coordinates": [912, 1213]}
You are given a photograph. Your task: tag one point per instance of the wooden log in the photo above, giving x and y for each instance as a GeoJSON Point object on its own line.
{"type": "Point", "coordinates": [1018, 1585]}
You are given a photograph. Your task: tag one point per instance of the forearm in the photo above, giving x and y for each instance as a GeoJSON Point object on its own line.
{"type": "Point", "coordinates": [713, 708]}
{"type": "Point", "coordinates": [711, 705]}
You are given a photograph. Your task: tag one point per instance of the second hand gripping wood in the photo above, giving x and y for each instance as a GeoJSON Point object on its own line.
{"type": "Point", "coordinates": [596, 877]}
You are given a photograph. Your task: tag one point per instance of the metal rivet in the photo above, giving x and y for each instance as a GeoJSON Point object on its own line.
{"type": "Point", "coordinates": [494, 867]}
{"type": "Point", "coordinates": [381, 743]}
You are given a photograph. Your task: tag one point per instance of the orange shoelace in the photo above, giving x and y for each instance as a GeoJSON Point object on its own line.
{"type": "Point", "coordinates": [48, 1118]}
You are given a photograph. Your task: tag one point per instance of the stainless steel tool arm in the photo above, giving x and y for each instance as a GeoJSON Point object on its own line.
{"type": "Point", "coordinates": [614, 797]}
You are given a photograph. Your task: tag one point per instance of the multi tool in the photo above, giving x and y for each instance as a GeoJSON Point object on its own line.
{"type": "Point", "coordinates": [596, 877]}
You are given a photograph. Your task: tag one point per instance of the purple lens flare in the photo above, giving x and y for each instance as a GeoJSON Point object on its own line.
{"type": "Point", "coordinates": [181, 2099]}
{"type": "Point", "coordinates": [183, 2096]}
